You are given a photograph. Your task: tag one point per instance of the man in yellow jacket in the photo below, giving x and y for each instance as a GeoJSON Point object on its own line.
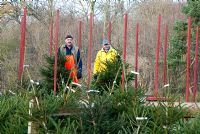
{"type": "Point", "coordinates": [107, 53]}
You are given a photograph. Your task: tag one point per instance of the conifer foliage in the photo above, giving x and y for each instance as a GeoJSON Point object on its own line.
{"type": "Point", "coordinates": [111, 75]}
{"type": "Point", "coordinates": [178, 43]}
{"type": "Point", "coordinates": [179, 39]}
{"type": "Point", "coordinates": [48, 73]}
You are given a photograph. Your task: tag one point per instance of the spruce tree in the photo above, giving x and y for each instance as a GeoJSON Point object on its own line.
{"type": "Point", "coordinates": [47, 72]}
{"type": "Point", "coordinates": [112, 75]}
{"type": "Point", "coordinates": [178, 42]}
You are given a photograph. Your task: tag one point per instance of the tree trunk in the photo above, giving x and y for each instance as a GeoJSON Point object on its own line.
{"type": "Point", "coordinates": [106, 18]}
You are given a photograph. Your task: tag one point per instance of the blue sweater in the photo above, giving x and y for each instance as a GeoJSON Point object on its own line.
{"type": "Point", "coordinates": [78, 58]}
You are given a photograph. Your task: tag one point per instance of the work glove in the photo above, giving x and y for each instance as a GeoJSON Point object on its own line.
{"type": "Point", "coordinates": [95, 77]}
{"type": "Point", "coordinates": [79, 74]}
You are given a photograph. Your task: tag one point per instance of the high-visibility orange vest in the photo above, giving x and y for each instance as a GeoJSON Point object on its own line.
{"type": "Point", "coordinates": [71, 66]}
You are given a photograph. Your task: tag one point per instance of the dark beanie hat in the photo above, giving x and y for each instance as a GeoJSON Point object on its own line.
{"type": "Point", "coordinates": [68, 36]}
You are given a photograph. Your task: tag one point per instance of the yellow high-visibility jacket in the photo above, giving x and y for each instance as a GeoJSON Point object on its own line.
{"type": "Point", "coordinates": [102, 57]}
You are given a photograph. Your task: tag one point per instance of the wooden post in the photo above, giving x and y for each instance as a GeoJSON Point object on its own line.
{"type": "Point", "coordinates": [22, 45]}
{"type": "Point", "coordinates": [188, 60]}
{"type": "Point", "coordinates": [109, 32]}
{"type": "Point", "coordinates": [79, 34]}
{"type": "Point", "coordinates": [56, 52]}
{"type": "Point", "coordinates": [124, 49]}
{"type": "Point", "coordinates": [196, 64]}
{"type": "Point", "coordinates": [51, 38]}
{"type": "Point", "coordinates": [90, 51]}
{"type": "Point", "coordinates": [157, 58]}
{"type": "Point", "coordinates": [165, 55]}
{"type": "Point", "coordinates": [136, 54]}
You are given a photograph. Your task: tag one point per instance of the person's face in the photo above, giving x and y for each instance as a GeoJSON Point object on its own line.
{"type": "Point", "coordinates": [106, 47]}
{"type": "Point", "coordinates": [68, 42]}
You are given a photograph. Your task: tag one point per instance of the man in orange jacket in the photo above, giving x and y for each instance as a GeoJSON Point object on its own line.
{"type": "Point", "coordinates": [73, 58]}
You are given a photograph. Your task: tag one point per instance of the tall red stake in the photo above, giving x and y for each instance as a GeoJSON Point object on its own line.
{"type": "Point", "coordinates": [56, 51]}
{"type": "Point", "coordinates": [90, 51]}
{"type": "Point", "coordinates": [51, 38]}
{"type": "Point", "coordinates": [22, 45]}
{"type": "Point", "coordinates": [124, 49]}
{"type": "Point", "coordinates": [20, 69]}
{"type": "Point", "coordinates": [165, 55]}
{"type": "Point", "coordinates": [136, 54]}
{"type": "Point", "coordinates": [188, 60]}
{"type": "Point", "coordinates": [196, 64]}
{"type": "Point", "coordinates": [80, 34]}
{"type": "Point", "coordinates": [109, 31]}
{"type": "Point", "coordinates": [157, 58]}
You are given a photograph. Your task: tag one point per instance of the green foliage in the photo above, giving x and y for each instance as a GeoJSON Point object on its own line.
{"type": "Point", "coordinates": [178, 44]}
{"type": "Point", "coordinates": [13, 110]}
{"type": "Point", "coordinates": [168, 117]}
{"type": "Point", "coordinates": [178, 41]}
{"type": "Point", "coordinates": [48, 105]}
{"type": "Point", "coordinates": [177, 55]}
{"type": "Point", "coordinates": [111, 75]}
{"type": "Point", "coordinates": [192, 126]}
{"type": "Point", "coordinates": [192, 9]}
{"type": "Point", "coordinates": [48, 73]}
{"type": "Point", "coordinates": [108, 113]}
{"type": "Point", "coordinates": [81, 113]}
{"type": "Point", "coordinates": [59, 127]}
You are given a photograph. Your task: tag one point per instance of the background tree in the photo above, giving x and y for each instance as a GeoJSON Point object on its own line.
{"type": "Point", "coordinates": [47, 72]}
{"type": "Point", "coordinates": [178, 47]}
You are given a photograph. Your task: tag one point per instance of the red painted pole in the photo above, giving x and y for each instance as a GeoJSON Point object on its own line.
{"type": "Point", "coordinates": [124, 49]}
{"type": "Point", "coordinates": [22, 45]}
{"type": "Point", "coordinates": [136, 54]}
{"type": "Point", "coordinates": [196, 64]}
{"type": "Point", "coordinates": [188, 60]}
{"type": "Point", "coordinates": [109, 31]}
{"type": "Point", "coordinates": [165, 55]}
{"type": "Point", "coordinates": [90, 51]}
{"type": "Point", "coordinates": [56, 51]}
{"type": "Point", "coordinates": [24, 38]}
{"type": "Point", "coordinates": [20, 69]}
{"type": "Point", "coordinates": [51, 37]}
{"type": "Point", "coordinates": [79, 34]}
{"type": "Point", "coordinates": [157, 58]}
